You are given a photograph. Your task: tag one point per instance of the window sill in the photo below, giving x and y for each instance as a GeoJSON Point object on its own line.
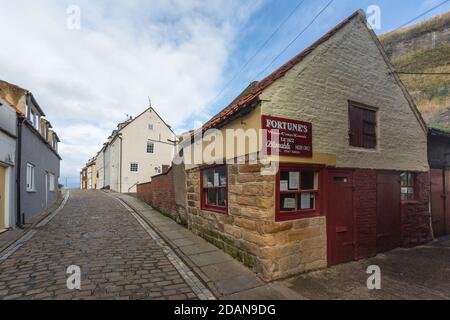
{"type": "Point", "coordinates": [281, 217]}
{"type": "Point", "coordinates": [410, 202]}
{"type": "Point", "coordinates": [215, 210]}
{"type": "Point", "coordinates": [358, 149]}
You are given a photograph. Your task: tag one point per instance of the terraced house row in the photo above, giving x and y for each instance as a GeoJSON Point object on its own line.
{"type": "Point", "coordinates": [29, 158]}
{"type": "Point", "coordinates": [138, 149]}
{"type": "Point", "coordinates": [350, 152]}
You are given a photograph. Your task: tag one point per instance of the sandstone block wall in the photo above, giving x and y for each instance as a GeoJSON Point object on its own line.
{"type": "Point", "coordinates": [249, 232]}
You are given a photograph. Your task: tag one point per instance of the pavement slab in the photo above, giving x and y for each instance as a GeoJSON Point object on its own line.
{"type": "Point", "coordinates": [224, 275]}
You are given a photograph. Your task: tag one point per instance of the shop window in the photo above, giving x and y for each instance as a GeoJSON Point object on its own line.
{"type": "Point", "coordinates": [407, 185]}
{"type": "Point", "coordinates": [214, 185]}
{"type": "Point", "coordinates": [298, 190]}
{"type": "Point", "coordinates": [362, 127]}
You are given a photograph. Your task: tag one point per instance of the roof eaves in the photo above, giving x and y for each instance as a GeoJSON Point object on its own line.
{"type": "Point", "coordinates": [266, 82]}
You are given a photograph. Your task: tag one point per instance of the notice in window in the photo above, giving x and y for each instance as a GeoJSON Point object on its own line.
{"type": "Point", "coordinates": [283, 185]}
{"type": "Point", "coordinates": [216, 179]}
{"type": "Point", "coordinates": [305, 201]}
{"type": "Point", "coordinates": [294, 180]}
{"type": "Point", "coordinates": [289, 203]}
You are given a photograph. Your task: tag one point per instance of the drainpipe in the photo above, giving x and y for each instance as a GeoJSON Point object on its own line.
{"type": "Point", "coordinates": [19, 221]}
{"type": "Point", "coordinates": [120, 167]}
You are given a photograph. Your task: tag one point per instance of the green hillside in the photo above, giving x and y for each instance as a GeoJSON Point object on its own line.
{"type": "Point", "coordinates": [425, 48]}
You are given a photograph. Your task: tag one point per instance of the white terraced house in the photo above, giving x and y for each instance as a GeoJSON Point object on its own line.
{"type": "Point", "coordinates": [135, 152]}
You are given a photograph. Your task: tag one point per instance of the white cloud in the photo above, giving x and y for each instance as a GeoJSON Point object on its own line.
{"type": "Point", "coordinates": [87, 80]}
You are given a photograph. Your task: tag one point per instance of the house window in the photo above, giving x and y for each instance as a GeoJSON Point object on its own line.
{"type": "Point", "coordinates": [150, 147]}
{"type": "Point", "coordinates": [134, 167]}
{"type": "Point", "coordinates": [31, 187]}
{"type": "Point", "coordinates": [362, 126]}
{"type": "Point", "coordinates": [51, 182]}
{"type": "Point", "coordinates": [150, 126]}
{"type": "Point", "coordinates": [407, 185]}
{"type": "Point", "coordinates": [297, 193]}
{"type": "Point", "coordinates": [214, 189]}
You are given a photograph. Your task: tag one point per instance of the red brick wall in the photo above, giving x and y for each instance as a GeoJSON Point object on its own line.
{"type": "Point", "coordinates": [416, 215]}
{"type": "Point", "coordinates": [365, 209]}
{"type": "Point", "coordinates": [160, 193]}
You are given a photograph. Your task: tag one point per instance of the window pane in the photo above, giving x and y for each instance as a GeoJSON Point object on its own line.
{"type": "Point", "coordinates": [306, 201]}
{"type": "Point", "coordinates": [410, 180]}
{"type": "Point", "coordinates": [211, 197]}
{"type": "Point", "coordinates": [308, 180]}
{"type": "Point", "coordinates": [208, 178]}
{"type": "Point", "coordinates": [221, 174]}
{"type": "Point", "coordinates": [222, 197]}
{"type": "Point", "coordinates": [288, 202]}
{"type": "Point", "coordinates": [150, 147]}
{"type": "Point", "coordinates": [403, 180]}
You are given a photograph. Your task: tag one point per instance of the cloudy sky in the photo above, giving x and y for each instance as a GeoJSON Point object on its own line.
{"type": "Point", "coordinates": [181, 53]}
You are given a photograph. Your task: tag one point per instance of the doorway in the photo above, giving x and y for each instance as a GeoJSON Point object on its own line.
{"type": "Point", "coordinates": [340, 218]}
{"type": "Point", "coordinates": [440, 202]}
{"type": "Point", "coordinates": [2, 197]}
{"type": "Point", "coordinates": [388, 211]}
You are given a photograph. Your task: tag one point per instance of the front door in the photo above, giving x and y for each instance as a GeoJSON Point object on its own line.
{"type": "Point", "coordinates": [2, 197]}
{"type": "Point", "coordinates": [438, 195]}
{"type": "Point", "coordinates": [388, 211]}
{"type": "Point", "coordinates": [340, 217]}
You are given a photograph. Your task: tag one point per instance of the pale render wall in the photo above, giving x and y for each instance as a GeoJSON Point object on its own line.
{"type": "Point", "coordinates": [135, 137]}
{"type": "Point", "coordinates": [349, 66]}
{"type": "Point", "coordinates": [100, 170]}
{"type": "Point", "coordinates": [114, 164]}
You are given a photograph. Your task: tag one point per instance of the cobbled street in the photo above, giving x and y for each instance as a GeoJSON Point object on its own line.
{"type": "Point", "coordinates": [117, 257]}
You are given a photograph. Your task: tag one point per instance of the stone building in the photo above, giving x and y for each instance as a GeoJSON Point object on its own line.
{"type": "Point", "coordinates": [342, 171]}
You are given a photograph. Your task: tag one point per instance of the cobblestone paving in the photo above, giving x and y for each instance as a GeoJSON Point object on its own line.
{"type": "Point", "coordinates": [118, 259]}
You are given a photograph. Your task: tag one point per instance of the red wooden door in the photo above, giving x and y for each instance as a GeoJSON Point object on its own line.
{"type": "Point", "coordinates": [438, 198]}
{"type": "Point", "coordinates": [340, 220]}
{"type": "Point", "coordinates": [447, 203]}
{"type": "Point", "coordinates": [388, 211]}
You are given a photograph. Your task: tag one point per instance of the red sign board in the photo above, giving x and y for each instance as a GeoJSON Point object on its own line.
{"type": "Point", "coordinates": [287, 137]}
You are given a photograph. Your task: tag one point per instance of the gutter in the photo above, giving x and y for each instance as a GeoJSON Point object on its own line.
{"type": "Point", "coordinates": [120, 166]}
{"type": "Point", "coordinates": [19, 221]}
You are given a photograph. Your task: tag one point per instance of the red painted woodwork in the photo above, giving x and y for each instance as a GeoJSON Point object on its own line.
{"type": "Point", "coordinates": [438, 201]}
{"type": "Point", "coordinates": [294, 215]}
{"type": "Point", "coordinates": [362, 126]}
{"type": "Point", "coordinates": [388, 211]}
{"type": "Point", "coordinates": [203, 203]}
{"type": "Point", "coordinates": [447, 203]}
{"type": "Point", "coordinates": [340, 219]}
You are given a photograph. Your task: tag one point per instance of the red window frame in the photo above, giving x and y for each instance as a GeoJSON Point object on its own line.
{"type": "Point", "coordinates": [302, 214]}
{"type": "Point", "coordinates": [203, 194]}
{"type": "Point", "coordinates": [410, 177]}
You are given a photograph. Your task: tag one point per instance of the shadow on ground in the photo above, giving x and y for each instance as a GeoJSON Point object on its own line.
{"type": "Point", "coordinates": [417, 273]}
